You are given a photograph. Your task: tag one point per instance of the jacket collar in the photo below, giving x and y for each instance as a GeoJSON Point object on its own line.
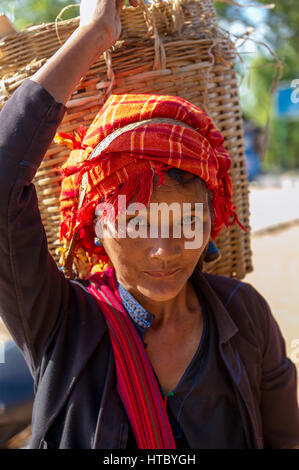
{"type": "Point", "coordinates": [225, 325]}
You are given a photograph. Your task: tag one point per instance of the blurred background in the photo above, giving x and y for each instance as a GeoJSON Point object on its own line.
{"type": "Point", "coordinates": [268, 73]}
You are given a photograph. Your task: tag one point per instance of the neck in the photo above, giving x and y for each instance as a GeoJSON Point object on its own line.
{"type": "Point", "coordinates": [174, 310]}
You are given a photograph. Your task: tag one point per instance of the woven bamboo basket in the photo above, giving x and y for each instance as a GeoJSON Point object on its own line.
{"type": "Point", "coordinates": [172, 47]}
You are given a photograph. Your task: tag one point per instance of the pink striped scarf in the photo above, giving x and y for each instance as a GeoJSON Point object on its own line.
{"type": "Point", "coordinates": [136, 383]}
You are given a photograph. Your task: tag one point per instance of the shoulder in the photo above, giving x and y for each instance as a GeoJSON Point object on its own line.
{"type": "Point", "coordinates": [246, 305]}
{"type": "Point", "coordinates": [224, 286]}
{"type": "Point", "coordinates": [234, 292]}
{"type": "Point", "coordinates": [231, 290]}
{"type": "Point", "coordinates": [84, 308]}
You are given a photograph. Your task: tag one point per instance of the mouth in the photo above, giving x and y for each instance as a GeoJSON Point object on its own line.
{"type": "Point", "coordinates": [162, 273]}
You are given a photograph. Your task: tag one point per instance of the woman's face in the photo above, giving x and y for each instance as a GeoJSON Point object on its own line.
{"type": "Point", "coordinates": [137, 260]}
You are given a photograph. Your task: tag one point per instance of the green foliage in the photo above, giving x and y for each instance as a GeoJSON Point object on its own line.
{"type": "Point", "coordinates": [27, 12]}
{"type": "Point", "coordinates": [282, 35]}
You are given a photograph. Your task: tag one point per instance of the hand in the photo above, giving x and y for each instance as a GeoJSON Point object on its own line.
{"type": "Point", "coordinates": [103, 15]}
{"type": "Point", "coordinates": [99, 29]}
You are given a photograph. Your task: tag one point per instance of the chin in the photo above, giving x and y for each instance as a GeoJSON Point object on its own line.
{"type": "Point", "coordinates": [159, 296]}
{"type": "Point", "coordinates": [161, 290]}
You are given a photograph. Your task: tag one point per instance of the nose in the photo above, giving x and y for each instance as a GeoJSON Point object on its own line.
{"type": "Point", "coordinates": [165, 250]}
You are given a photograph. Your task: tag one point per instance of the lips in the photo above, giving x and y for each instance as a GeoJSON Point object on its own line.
{"type": "Point", "coordinates": [162, 273]}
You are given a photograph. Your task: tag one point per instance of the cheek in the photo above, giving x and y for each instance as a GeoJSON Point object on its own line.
{"type": "Point", "coordinates": [124, 253]}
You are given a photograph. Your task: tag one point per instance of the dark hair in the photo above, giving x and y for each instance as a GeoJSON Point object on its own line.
{"type": "Point", "coordinates": [185, 177]}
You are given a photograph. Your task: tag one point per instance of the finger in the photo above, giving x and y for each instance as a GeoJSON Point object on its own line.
{"type": "Point", "coordinates": [119, 5]}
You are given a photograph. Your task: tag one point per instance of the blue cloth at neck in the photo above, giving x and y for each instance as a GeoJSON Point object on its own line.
{"type": "Point", "coordinates": [141, 317]}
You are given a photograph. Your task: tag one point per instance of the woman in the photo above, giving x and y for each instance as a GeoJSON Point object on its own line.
{"type": "Point", "coordinates": [150, 352]}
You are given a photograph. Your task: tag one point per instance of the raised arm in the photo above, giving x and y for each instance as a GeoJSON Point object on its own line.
{"type": "Point", "coordinates": [34, 293]}
{"type": "Point", "coordinates": [99, 28]}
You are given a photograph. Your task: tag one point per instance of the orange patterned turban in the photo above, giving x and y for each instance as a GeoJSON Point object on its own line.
{"type": "Point", "coordinates": [132, 138]}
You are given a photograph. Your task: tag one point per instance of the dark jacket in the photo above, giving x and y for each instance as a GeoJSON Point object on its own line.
{"type": "Point", "coordinates": [63, 334]}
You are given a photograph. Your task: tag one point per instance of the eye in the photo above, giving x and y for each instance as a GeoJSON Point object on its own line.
{"type": "Point", "coordinates": [190, 219]}
{"type": "Point", "coordinates": [139, 220]}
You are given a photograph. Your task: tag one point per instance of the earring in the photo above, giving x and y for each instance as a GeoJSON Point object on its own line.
{"type": "Point", "coordinates": [98, 242]}
{"type": "Point", "coordinates": [213, 253]}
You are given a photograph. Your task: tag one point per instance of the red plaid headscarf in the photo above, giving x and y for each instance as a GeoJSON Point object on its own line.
{"type": "Point", "coordinates": [129, 162]}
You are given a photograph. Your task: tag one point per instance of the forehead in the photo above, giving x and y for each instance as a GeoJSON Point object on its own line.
{"type": "Point", "coordinates": [174, 191]}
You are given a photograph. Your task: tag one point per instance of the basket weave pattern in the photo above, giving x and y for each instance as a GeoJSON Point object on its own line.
{"type": "Point", "coordinates": [174, 48]}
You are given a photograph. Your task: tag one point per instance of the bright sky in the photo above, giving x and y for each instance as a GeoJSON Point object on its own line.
{"type": "Point", "coordinates": [256, 16]}
{"type": "Point", "coordinates": [248, 49]}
